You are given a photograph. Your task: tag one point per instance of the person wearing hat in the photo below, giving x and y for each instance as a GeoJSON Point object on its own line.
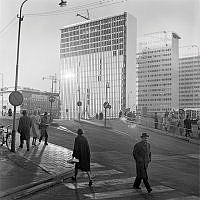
{"type": "Point", "coordinates": [24, 127]}
{"type": "Point", "coordinates": [142, 156]}
{"type": "Point", "coordinates": [81, 152]}
{"type": "Point", "coordinates": [43, 127]}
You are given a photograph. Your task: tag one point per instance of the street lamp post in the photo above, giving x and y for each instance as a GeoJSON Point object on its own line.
{"type": "Point", "coordinates": [106, 104]}
{"type": "Point", "coordinates": [16, 73]}
{"type": "Point", "coordinates": [20, 17]}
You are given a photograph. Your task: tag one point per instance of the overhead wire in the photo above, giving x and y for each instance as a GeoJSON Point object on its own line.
{"type": "Point", "coordinates": [76, 8]}
{"type": "Point", "coordinates": [8, 25]}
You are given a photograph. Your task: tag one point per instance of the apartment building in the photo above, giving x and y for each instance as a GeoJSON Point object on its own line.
{"type": "Point", "coordinates": [98, 65]}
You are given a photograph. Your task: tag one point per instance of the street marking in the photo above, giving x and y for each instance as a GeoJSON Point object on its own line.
{"type": "Point", "coordinates": [185, 198]}
{"type": "Point", "coordinates": [103, 173]}
{"type": "Point", "coordinates": [95, 165]}
{"type": "Point", "coordinates": [100, 183]}
{"type": "Point", "coordinates": [62, 128]}
{"type": "Point", "coordinates": [194, 156]}
{"type": "Point", "coordinates": [127, 192]}
{"type": "Point", "coordinates": [120, 132]}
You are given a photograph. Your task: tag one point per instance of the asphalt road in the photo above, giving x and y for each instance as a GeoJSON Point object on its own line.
{"type": "Point", "coordinates": [173, 172]}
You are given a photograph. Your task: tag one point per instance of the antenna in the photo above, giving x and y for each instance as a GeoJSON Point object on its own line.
{"type": "Point", "coordinates": [87, 18]}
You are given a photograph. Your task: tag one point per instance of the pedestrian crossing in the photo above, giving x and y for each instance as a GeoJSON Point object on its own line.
{"type": "Point", "coordinates": [106, 187]}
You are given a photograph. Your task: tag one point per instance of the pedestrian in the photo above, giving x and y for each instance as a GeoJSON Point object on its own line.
{"type": "Point", "coordinates": [43, 128]}
{"type": "Point", "coordinates": [35, 126]}
{"type": "Point", "coordinates": [198, 126]}
{"type": "Point", "coordinates": [142, 156]}
{"type": "Point", "coordinates": [156, 121]}
{"type": "Point", "coordinates": [188, 126]}
{"type": "Point", "coordinates": [24, 129]}
{"type": "Point", "coordinates": [81, 152]}
{"type": "Point", "coordinates": [181, 125]}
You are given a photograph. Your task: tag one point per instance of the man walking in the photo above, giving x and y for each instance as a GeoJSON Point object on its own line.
{"type": "Point", "coordinates": [81, 151]}
{"type": "Point", "coordinates": [188, 126]}
{"type": "Point", "coordinates": [142, 156]}
{"type": "Point", "coordinates": [24, 129]}
{"type": "Point", "coordinates": [43, 127]}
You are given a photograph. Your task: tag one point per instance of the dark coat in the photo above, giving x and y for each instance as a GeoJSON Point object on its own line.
{"type": "Point", "coordinates": [24, 127]}
{"type": "Point", "coordinates": [82, 152]}
{"type": "Point", "coordinates": [187, 124]}
{"type": "Point", "coordinates": [142, 156]}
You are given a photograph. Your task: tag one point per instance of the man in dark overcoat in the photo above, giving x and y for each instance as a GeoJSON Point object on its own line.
{"type": "Point", "coordinates": [81, 152]}
{"type": "Point", "coordinates": [24, 129]}
{"type": "Point", "coordinates": [142, 156]}
{"type": "Point", "coordinates": [188, 126]}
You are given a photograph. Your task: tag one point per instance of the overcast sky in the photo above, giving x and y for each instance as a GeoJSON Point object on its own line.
{"type": "Point", "coordinates": [40, 34]}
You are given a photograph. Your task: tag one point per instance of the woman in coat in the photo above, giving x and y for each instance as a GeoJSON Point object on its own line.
{"type": "Point", "coordinates": [81, 151]}
{"type": "Point", "coordinates": [35, 126]}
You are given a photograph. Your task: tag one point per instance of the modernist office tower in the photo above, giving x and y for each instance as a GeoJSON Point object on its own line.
{"type": "Point", "coordinates": [189, 77]}
{"type": "Point", "coordinates": [157, 72]}
{"type": "Point", "coordinates": [98, 64]}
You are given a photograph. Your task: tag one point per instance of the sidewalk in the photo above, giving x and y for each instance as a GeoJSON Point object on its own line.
{"type": "Point", "coordinates": [111, 124]}
{"type": "Point", "coordinates": [25, 172]}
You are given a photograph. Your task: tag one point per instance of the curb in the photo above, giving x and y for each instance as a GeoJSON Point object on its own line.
{"type": "Point", "coordinates": [93, 123]}
{"type": "Point", "coordinates": [28, 189]}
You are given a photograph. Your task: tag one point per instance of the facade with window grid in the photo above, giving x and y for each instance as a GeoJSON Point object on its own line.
{"type": "Point", "coordinates": [93, 54]}
{"type": "Point", "coordinates": [189, 77]}
{"type": "Point", "coordinates": [157, 72]}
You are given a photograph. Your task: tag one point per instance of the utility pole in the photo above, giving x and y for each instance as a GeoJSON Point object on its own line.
{"type": "Point", "coordinates": [53, 79]}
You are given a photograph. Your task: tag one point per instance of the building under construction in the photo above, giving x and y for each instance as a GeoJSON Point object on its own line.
{"type": "Point", "coordinates": [157, 72]}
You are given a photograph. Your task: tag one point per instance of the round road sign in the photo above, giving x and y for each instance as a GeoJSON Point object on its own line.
{"type": "Point", "coordinates": [79, 103]}
{"type": "Point", "coordinates": [52, 99]}
{"type": "Point", "coordinates": [105, 105]}
{"type": "Point", "coordinates": [16, 98]}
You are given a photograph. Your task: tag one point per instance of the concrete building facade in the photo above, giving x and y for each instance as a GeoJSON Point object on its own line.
{"type": "Point", "coordinates": [33, 100]}
{"type": "Point", "coordinates": [157, 72]}
{"type": "Point", "coordinates": [189, 77]}
{"type": "Point", "coordinates": [98, 64]}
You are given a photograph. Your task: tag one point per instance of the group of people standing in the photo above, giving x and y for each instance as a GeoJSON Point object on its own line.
{"type": "Point", "coordinates": [35, 126]}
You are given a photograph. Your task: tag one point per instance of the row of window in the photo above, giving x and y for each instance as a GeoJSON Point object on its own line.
{"type": "Point", "coordinates": [153, 51]}
{"type": "Point", "coordinates": [85, 32]}
{"type": "Point", "coordinates": [93, 43]}
{"type": "Point", "coordinates": [96, 46]}
{"type": "Point", "coordinates": [154, 75]}
{"type": "Point", "coordinates": [96, 50]}
{"type": "Point", "coordinates": [156, 99]}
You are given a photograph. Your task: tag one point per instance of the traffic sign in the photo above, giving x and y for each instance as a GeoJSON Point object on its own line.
{"type": "Point", "coordinates": [52, 98]}
{"type": "Point", "coordinates": [79, 103]}
{"type": "Point", "coordinates": [16, 98]}
{"type": "Point", "coordinates": [105, 105]}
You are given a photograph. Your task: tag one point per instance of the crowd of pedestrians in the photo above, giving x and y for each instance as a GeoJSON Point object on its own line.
{"type": "Point", "coordinates": [33, 125]}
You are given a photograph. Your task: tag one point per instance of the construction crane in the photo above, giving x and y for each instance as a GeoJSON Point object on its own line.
{"type": "Point", "coordinates": [54, 80]}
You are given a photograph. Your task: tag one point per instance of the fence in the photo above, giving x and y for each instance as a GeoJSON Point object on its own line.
{"type": "Point", "coordinates": [169, 127]}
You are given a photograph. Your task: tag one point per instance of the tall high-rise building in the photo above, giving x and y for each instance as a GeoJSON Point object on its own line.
{"type": "Point", "coordinates": [98, 64]}
{"type": "Point", "coordinates": [189, 77]}
{"type": "Point", "coordinates": [157, 72]}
